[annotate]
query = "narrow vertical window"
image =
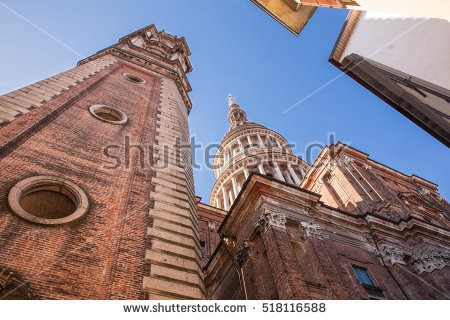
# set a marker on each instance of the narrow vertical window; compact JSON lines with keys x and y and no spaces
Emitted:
{"x":369,"y":286}
{"x":363,"y":276}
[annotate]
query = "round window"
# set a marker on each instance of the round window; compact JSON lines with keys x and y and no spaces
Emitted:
{"x":133,"y":78}
{"x":48,"y":200}
{"x":108,"y":114}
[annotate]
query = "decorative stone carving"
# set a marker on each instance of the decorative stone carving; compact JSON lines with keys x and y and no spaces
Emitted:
{"x":332,"y":166}
{"x":243,"y":253}
{"x":366,"y":166}
{"x":271,"y":218}
{"x":211,"y":226}
{"x":342,"y":161}
{"x":12,"y":287}
{"x":311,"y":229}
{"x":392,"y":255}
{"x":427,"y":261}
{"x":440,"y":198}
{"x":229,"y":242}
{"x":318,"y":186}
{"x":424,"y":191}
{"x":4,"y":278}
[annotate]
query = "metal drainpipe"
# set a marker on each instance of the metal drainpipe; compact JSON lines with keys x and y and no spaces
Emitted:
{"x":238,"y":270}
{"x":381,"y":256}
{"x":374,"y":240}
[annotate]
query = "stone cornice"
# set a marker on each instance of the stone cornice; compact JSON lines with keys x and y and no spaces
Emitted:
{"x":152,"y":28}
{"x":253,"y":188}
{"x":323,"y":213}
{"x":211,"y":209}
{"x":419,"y":200}
{"x":176,"y":63}
{"x":364,"y":158}
{"x":411,"y":225}
{"x":160,"y":45}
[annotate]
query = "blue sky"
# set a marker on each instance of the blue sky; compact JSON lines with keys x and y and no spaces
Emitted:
{"x":236,"y":49}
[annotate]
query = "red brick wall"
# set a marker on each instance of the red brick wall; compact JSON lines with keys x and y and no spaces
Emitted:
{"x":324,"y":271}
{"x":209,"y":238}
{"x":100,"y":256}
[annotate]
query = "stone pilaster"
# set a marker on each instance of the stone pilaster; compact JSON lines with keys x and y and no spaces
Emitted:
{"x":246,"y":259}
{"x":282,"y":260}
{"x":323,"y":253}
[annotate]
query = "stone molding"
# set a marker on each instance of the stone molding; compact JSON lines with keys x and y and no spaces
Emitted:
{"x":101,"y":108}
{"x":48,"y":183}
{"x":392,"y":255}
{"x":133,"y":78}
{"x":269,"y":218}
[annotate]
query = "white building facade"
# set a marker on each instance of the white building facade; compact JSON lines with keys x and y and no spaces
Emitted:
{"x":402,"y":59}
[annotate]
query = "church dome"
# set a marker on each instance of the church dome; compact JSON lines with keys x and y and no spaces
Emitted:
{"x":250,"y":147}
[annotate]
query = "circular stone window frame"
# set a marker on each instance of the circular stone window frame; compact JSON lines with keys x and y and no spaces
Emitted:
{"x":101,"y":108}
{"x":48,"y":183}
{"x":129,"y":77}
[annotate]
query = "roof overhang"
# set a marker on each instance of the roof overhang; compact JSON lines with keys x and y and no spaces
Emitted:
{"x":292,"y":17}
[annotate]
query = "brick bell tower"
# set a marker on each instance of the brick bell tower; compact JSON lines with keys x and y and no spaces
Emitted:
{"x":97,"y":196}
